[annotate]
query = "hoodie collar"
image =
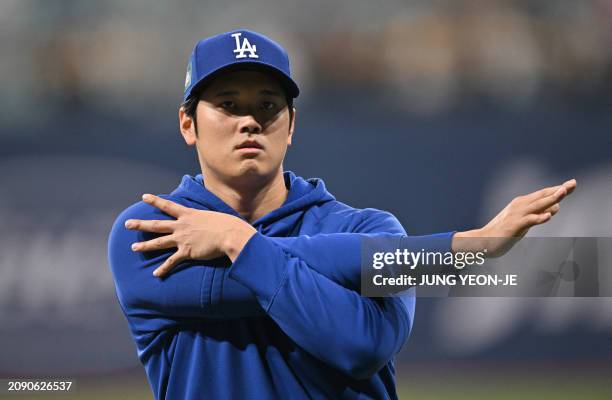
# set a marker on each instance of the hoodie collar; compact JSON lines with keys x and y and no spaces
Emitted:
{"x":302,"y":195}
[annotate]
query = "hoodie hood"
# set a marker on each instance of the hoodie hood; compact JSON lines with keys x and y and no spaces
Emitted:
{"x":284,"y":221}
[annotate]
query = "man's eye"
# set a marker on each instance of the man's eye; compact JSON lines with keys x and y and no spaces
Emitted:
{"x":228,"y":104}
{"x":268,"y":105}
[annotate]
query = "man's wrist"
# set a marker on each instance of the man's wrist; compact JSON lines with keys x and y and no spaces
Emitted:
{"x":468,"y":241}
{"x":235,"y":238}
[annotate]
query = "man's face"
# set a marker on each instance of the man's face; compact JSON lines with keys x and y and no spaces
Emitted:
{"x":243,"y":127}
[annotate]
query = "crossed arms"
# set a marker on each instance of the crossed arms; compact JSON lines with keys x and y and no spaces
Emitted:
{"x":307,"y":285}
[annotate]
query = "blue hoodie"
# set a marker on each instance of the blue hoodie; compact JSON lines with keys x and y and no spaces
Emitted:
{"x":285,"y":320}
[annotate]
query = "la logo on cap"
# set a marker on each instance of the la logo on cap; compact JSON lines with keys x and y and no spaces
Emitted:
{"x":246,"y":46}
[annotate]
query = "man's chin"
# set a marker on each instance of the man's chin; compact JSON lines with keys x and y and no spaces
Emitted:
{"x":253,"y":170}
{"x":250,"y":167}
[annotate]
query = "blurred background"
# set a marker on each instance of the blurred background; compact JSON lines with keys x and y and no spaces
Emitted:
{"x":440,"y":112}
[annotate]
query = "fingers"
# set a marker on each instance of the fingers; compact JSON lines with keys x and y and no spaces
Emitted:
{"x":568,"y":185}
{"x":553,"y":209}
{"x":542,"y":210}
{"x":163,"y":242}
{"x":546,"y":202}
{"x":537,"y":219}
{"x":531,"y":197}
{"x":524,"y":212}
{"x":167,"y":206}
{"x":170,"y":263}
{"x":157,"y":226}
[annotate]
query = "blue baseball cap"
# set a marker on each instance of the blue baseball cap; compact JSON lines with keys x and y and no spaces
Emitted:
{"x":235,"y":50}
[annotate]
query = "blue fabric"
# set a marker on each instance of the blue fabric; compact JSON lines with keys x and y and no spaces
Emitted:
{"x":285,"y":320}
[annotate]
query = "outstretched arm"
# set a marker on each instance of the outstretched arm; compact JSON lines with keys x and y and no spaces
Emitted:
{"x":205,"y":234}
{"x":287,"y":277}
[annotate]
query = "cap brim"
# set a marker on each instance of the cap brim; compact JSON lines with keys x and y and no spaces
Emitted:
{"x":288,"y":84}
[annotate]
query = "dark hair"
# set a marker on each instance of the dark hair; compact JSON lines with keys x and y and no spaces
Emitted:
{"x":191,"y":105}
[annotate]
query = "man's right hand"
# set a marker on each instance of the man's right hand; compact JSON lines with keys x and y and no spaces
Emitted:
{"x":196,"y":234}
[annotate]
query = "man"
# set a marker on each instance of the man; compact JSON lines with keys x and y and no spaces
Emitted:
{"x":244,"y":281}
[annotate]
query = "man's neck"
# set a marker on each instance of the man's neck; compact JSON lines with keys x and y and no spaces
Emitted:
{"x":252,"y":200}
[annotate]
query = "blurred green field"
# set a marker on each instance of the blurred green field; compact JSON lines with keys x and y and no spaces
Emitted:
{"x":505,"y":381}
{"x":427,"y":383}
{"x":508,"y":391}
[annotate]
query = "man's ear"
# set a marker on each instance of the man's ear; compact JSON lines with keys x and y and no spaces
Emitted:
{"x":187,"y":127}
{"x":291,"y":128}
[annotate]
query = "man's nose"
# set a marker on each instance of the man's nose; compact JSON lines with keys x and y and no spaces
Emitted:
{"x":249,"y":124}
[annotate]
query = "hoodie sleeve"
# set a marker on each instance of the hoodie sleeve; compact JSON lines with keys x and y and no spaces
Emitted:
{"x":338,"y":255}
{"x":354,"y":334}
{"x":191,"y":291}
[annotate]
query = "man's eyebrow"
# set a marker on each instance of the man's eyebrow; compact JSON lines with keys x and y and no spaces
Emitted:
{"x":269,"y":92}
{"x":226,"y":93}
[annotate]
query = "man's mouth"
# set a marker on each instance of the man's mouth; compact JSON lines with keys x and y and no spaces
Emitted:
{"x":249,"y":144}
